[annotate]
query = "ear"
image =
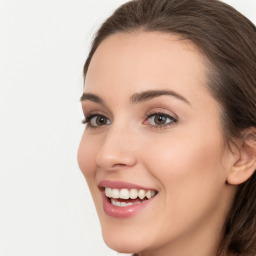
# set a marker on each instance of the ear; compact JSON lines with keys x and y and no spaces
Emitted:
{"x":245,"y":164}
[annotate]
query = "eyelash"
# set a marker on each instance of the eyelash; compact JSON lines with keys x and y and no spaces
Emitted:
{"x":88,"y":119}
{"x":172,"y":121}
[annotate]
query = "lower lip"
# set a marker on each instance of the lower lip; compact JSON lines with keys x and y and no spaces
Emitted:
{"x":124,"y":212}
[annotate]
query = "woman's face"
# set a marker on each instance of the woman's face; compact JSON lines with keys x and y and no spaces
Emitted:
{"x":153,"y":129}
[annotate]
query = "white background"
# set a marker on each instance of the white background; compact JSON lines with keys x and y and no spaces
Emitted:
{"x":45,"y":205}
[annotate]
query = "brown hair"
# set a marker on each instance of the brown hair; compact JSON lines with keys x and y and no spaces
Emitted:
{"x":228,"y":40}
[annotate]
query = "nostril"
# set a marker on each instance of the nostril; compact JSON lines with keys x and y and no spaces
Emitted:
{"x":119,"y":165}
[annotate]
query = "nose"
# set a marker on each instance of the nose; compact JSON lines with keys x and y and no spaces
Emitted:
{"x":117,"y":150}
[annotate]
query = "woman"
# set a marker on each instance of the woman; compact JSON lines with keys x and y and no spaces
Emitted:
{"x":169,"y":148}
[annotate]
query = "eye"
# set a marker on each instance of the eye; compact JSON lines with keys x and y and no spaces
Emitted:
{"x":159,"y":120}
{"x":96,"y":120}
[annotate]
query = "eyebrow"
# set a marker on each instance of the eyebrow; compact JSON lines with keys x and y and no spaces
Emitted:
{"x":150,"y":94}
{"x":91,"y":97}
{"x":138,"y":97}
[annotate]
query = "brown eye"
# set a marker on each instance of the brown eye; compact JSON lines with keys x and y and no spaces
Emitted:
{"x":101,"y":120}
{"x":160,"y":119}
{"x":98,"y":120}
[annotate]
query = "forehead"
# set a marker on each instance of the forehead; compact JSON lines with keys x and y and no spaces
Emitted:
{"x":133,"y":62}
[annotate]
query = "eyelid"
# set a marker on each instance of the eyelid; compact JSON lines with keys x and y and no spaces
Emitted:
{"x":88,"y":114}
{"x":158,"y":111}
{"x":163,"y":112}
{"x":91,"y":115}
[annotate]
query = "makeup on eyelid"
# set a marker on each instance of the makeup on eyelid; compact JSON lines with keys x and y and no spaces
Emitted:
{"x":95,"y":120}
{"x":158,"y":113}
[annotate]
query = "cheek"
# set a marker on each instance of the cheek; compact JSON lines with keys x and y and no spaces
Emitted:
{"x":179,"y":159}
{"x":187,"y":169}
{"x":191,"y":179}
{"x":86,"y":157}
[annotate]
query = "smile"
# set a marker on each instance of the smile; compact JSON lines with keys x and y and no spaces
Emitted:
{"x":125,"y":197}
{"x":124,"y":200}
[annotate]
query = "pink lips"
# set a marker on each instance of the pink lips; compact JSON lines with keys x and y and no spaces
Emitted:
{"x":122,"y":212}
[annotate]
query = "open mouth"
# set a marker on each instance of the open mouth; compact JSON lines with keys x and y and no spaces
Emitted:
{"x":127,"y":197}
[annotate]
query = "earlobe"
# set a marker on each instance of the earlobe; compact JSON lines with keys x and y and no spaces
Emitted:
{"x":244,"y":167}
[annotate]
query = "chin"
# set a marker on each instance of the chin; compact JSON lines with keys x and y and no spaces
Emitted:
{"x":121,"y":245}
{"x":124,"y":243}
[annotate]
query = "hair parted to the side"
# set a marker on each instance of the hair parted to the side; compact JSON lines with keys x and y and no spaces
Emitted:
{"x":228,"y":40}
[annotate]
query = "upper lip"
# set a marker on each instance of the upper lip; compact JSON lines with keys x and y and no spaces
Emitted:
{"x":120,"y":185}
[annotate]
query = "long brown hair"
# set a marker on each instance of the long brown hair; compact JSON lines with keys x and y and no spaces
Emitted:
{"x":228,"y":40}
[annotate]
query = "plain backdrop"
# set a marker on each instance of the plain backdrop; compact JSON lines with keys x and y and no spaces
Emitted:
{"x":45,"y":205}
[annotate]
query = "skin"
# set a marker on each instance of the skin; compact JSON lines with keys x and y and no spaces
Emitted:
{"x":186,"y":161}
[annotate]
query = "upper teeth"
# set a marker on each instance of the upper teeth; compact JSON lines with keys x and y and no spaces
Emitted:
{"x":126,"y":194}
